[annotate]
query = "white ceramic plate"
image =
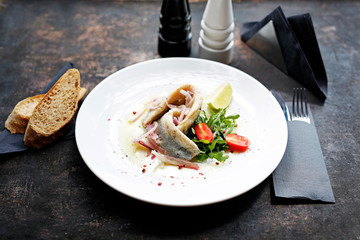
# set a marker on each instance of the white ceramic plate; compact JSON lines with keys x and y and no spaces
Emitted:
{"x":99,"y":140}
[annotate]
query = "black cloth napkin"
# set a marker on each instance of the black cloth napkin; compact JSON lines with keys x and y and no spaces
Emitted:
{"x":291,"y":45}
{"x":302,"y":173}
{"x":11,"y":143}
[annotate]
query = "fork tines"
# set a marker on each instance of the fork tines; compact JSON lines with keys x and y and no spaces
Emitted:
{"x":300,"y":106}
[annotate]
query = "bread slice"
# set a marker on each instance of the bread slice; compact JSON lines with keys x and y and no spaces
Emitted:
{"x":20,"y":115}
{"x":53,"y":115}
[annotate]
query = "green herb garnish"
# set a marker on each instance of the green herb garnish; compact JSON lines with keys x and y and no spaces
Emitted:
{"x":220,"y":125}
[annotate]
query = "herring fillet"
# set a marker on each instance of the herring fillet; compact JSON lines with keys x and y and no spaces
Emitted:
{"x":173,"y":141}
{"x":186,"y":101}
{"x":195,"y":109}
{"x":160,"y":107}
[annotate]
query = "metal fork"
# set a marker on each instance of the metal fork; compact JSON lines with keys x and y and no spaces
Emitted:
{"x":300,"y":110}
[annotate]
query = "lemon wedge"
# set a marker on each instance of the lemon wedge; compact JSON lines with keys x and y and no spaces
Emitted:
{"x":221,"y":97}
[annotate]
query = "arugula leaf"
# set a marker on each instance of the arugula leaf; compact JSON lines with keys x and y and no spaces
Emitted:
{"x":220,"y":125}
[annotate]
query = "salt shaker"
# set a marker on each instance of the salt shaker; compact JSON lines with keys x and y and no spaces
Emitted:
{"x":216,"y":38}
{"x":174,"y":38}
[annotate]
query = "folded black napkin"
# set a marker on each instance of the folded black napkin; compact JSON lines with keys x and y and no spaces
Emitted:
{"x":291,"y":45}
{"x":302,"y":173}
{"x":11,"y":143}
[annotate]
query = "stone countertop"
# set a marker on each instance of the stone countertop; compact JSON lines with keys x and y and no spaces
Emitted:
{"x":51,"y":193}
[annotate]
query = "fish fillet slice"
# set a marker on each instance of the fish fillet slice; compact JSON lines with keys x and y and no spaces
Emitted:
{"x":160,"y":107}
{"x":175,"y":142}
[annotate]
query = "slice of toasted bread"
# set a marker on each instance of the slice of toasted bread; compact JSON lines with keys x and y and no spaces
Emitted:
{"x":20,"y":115}
{"x":54,"y":113}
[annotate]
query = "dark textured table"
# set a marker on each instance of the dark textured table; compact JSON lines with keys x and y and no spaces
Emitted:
{"x":50,"y":193}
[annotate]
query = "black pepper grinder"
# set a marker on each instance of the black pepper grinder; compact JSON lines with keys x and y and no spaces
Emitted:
{"x":175,"y":30}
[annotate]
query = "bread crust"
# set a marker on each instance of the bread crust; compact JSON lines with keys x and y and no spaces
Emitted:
{"x":50,"y":119}
{"x":34,"y":139}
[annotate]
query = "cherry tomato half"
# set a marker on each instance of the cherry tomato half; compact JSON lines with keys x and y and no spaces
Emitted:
{"x":237,"y":143}
{"x":203,"y":132}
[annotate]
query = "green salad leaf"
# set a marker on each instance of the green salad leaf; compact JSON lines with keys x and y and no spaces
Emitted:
{"x":220,"y":125}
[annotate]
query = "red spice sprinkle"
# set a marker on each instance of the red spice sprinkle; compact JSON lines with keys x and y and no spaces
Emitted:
{"x":180,"y":166}
{"x":159,"y":183}
{"x":201,"y":174}
{"x":172,"y":176}
{"x":134,"y":112}
{"x":109,"y":119}
{"x":144,"y":166}
{"x":152,"y":157}
{"x":217,"y":163}
{"x":144,"y":170}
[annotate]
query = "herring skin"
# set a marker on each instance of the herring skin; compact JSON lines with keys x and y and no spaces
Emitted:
{"x":173,"y":141}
